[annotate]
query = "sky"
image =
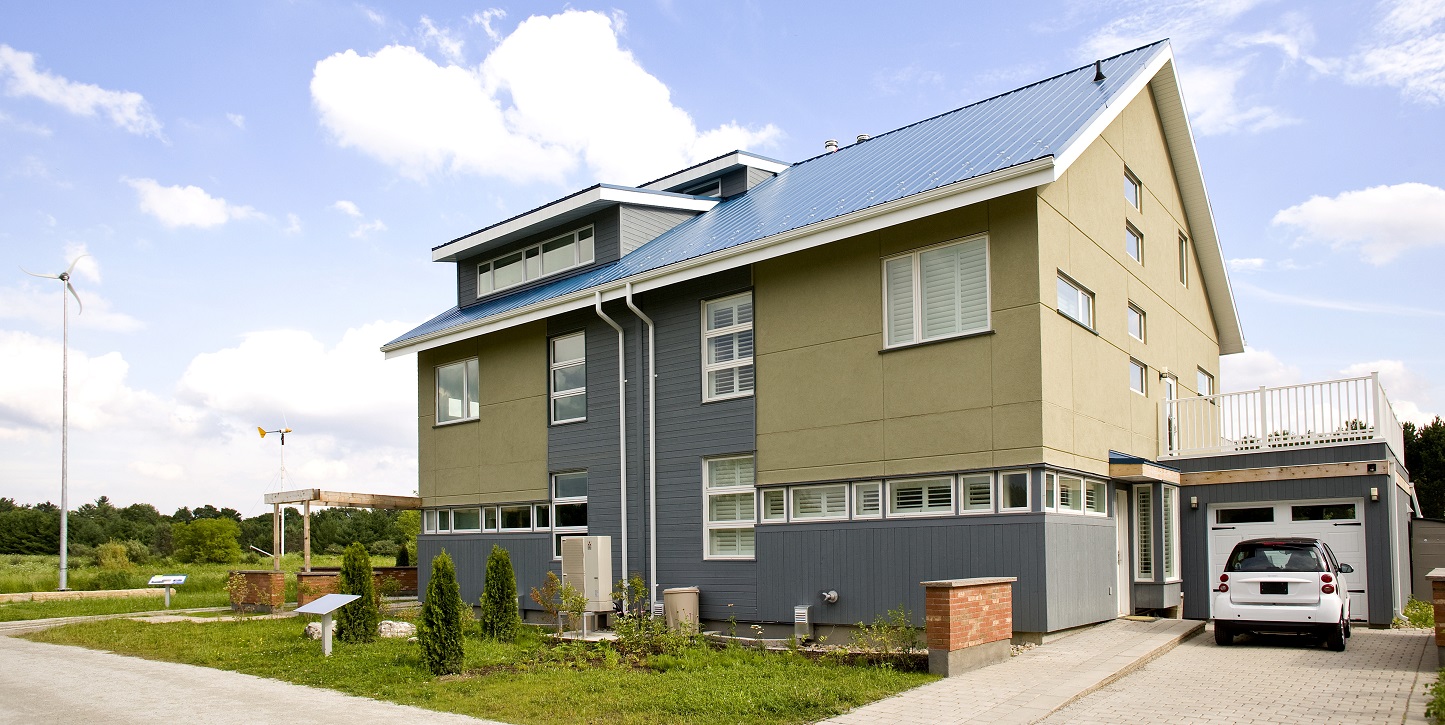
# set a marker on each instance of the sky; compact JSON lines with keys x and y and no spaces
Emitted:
{"x":257,"y":186}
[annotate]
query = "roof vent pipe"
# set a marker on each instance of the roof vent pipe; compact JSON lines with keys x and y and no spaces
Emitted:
{"x":863,"y":137}
{"x":830,"y":145}
{"x":1098,"y":71}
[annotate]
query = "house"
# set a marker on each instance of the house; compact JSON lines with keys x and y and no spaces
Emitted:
{"x":949,"y":350}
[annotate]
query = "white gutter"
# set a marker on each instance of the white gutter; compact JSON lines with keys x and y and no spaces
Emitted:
{"x":651,"y":454}
{"x":621,"y":422}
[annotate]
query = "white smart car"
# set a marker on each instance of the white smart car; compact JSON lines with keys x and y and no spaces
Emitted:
{"x":1283,"y":585}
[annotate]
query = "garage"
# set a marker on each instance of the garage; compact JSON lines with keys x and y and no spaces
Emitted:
{"x":1340,"y":523}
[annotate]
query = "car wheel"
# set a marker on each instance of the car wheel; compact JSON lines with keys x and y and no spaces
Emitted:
{"x":1223,"y":636}
{"x":1348,"y":629}
{"x":1335,"y":637}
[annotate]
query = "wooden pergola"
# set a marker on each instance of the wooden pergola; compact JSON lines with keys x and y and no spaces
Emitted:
{"x":308,"y":496}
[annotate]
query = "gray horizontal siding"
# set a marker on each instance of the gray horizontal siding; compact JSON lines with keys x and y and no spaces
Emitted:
{"x":1289,"y":457}
{"x":639,"y":225}
{"x":606,"y":248}
{"x":531,"y":556}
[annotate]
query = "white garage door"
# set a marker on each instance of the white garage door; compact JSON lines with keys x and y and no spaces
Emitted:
{"x":1339,"y":523}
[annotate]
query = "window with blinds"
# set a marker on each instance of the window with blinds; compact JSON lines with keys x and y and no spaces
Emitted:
{"x":1143,"y":533}
{"x":1169,"y":517}
{"x":775,"y":505}
{"x":937,"y":292}
{"x":976,"y":493}
{"x":820,"y":502}
{"x":730,"y":509}
{"x":928,"y":496}
{"x":727,"y":355}
{"x":868,"y":500}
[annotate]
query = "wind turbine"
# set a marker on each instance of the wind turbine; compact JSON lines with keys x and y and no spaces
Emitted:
{"x":64,"y":278}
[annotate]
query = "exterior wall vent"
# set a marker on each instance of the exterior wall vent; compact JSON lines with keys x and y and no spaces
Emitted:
{"x":803,"y":621}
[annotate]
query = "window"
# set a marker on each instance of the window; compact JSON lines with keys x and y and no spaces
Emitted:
{"x":489,"y":518}
{"x":1276,"y":557}
{"x":1096,"y":498}
{"x":542,"y":516}
{"x":444,"y":521}
{"x":539,"y":260}
{"x":727,"y":341}
{"x":707,"y":188}
{"x":976,"y":493}
{"x":429,"y":522}
{"x":1206,"y":383}
{"x":1138,"y":377}
{"x":921,"y":496}
{"x":1259,"y":515}
{"x":820,"y":502}
{"x":1136,"y":323}
{"x":1323,"y":512}
{"x":775,"y":505}
{"x":1071,"y":494}
{"x":1169,"y":515}
{"x":868,"y":500}
{"x":457,"y":392}
{"x":569,"y":378}
{"x":936,"y":292}
{"x":1051,"y":484}
{"x":1143,"y":533}
{"x":569,"y":507}
{"x":517,"y":518}
{"x":466,"y":520}
{"x":1013,"y":491}
{"x":1134,"y":243}
{"x":1076,"y":302}
{"x":1183,"y":260}
{"x":728,"y":488}
{"x":1133,"y":190}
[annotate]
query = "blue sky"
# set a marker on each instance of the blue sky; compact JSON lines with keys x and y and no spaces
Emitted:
{"x":258,"y":185}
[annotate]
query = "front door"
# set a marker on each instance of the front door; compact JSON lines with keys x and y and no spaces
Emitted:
{"x":1123,"y":579}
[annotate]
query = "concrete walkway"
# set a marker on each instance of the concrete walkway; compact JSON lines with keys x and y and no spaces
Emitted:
{"x":1036,"y":683}
{"x":54,"y":684}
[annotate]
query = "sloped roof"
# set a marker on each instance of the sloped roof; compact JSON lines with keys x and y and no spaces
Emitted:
{"x":1037,"y":128}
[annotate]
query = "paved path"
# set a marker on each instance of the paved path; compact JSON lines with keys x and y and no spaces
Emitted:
{"x":1272,"y":680}
{"x":1035,"y":683}
{"x":46,"y":683}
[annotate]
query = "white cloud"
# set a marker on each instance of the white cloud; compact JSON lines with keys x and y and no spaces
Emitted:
{"x":1382,"y":222}
{"x":346,"y":207}
{"x":375,"y":17}
{"x":25,"y":126}
{"x":1251,"y":264}
{"x":30,"y":387}
{"x":39,"y":302}
{"x":126,"y":109}
{"x":163,"y":471}
{"x":1254,"y":368}
{"x":517,"y":115}
{"x":365,"y":229}
{"x":1332,"y":303}
{"x":485,"y":19}
{"x":443,"y":39}
{"x":293,"y":224}
{"x":1216,"y":108}
{"x":1406,"y":390}
{"x":1407,"y":51}
{"x":237,"y":120}
{"x":187,"y":206}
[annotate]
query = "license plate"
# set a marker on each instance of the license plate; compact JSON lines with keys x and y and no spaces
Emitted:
{"x":1274,"y":587}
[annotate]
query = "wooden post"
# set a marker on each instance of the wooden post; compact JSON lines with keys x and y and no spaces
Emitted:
{"x":306,"y":536}
{"x":276,"y":537}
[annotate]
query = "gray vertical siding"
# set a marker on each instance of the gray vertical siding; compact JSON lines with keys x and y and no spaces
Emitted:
{"x":1402,"y":547}
{"x":1079,"y":554}
{"x":531,"y":556}
{"x":606,"y":248}
{"x":639,"y":225}
{"x":755,"y":177}
{"x":735,"y":182}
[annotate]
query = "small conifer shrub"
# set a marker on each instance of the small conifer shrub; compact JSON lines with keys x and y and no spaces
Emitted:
{"x":500,"y":618}
{"x":403,"y":555}
{"x":440,"y":632}
{"x":357,"y":621}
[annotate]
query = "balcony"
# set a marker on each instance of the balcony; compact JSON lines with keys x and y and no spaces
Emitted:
{"x":1311,"y":415}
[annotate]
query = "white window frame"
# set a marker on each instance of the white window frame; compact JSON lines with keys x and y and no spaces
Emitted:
{"x":1138,"y":237}
{"x":1170,"y":534}
{"x":1204,"y":380}
{"x":456,"y":530}
{"x":858,"y":489}
{"x":1059,"y":492}
{"x":558,"y":531}
{"x":444,"y":516}
{"x":1183,"y":259}
{"x":1050,"y":502}
{"x":1132,"y":180}
{"x":1083,"y":294}
{"x":485,"y":268}
{"x":1101,"y":497}
{"x":793,"y":492}
{"x":766,"y":493}
{"x":467,"y":392}
{"x":544,"y":509}
{"x":1028,"y":491}
{"x":738,"y":363}
{"x":496,"y":520}
{"x":894,"y":483}
{"x":962,"y":497}
{"x":1134,"y":309}
{"x":429,"y":521}
{"x":917,"y":285}
{"x":1144,"y":531}
{"x":708,"y":493}
{"x":1143,"y":377}
{"x":553,"y":395}
{"x":501,"y":518}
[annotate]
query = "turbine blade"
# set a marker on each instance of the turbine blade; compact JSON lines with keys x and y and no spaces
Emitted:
{"x":42,"y":276}
{"x":74,"y":262}
{"x":71,"y":287}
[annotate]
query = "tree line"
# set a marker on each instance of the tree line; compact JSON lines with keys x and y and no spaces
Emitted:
{"x":1425,"y":459}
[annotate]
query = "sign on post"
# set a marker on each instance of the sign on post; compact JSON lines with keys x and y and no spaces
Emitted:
{"x":169,"y":581}
{"x":326,"y":606}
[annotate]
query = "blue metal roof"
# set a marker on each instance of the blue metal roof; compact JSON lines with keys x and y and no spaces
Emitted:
{"x":1117,"y":457}
{"x":1023,"y":125}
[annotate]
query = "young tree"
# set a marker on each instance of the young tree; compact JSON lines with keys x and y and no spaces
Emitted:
{"x":356,"y":622}
{"x":403,"y":555}
{"x":440,"y":633}
{"x":207,"y":541}
{"x":500,"y":618}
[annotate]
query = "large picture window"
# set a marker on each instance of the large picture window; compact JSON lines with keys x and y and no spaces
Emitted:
{"x":569,"y":507}
{"x":936,"y":293}
{"x":457,"y":391}
{"x":727,"y":340}
{"x":730,"y":509}
{"x":539,"y":260}
{"x":569,"y":378}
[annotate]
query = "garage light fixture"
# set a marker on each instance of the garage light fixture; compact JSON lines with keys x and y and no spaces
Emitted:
{"x":1193,"y":502}
{"x":1374,"y":494}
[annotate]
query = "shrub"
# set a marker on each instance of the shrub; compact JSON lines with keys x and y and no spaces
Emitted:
{"x":112,"y":556}
{"x":548,"y":598}
{"x":500,"y":619}
{"x":1420,"y":615}
{"x":383,"y":547}
{"x":440,"y":630}
{"x":403,"y":555}
{"x":890,"y":638}
{"x":356,"y":622}
{"x":207,"y":541}
{"x":114,"y":579}
{"x":136,"y":551}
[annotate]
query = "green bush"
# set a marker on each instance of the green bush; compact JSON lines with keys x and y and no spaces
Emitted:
{"x":207,"y":541}
{"x":500,"y":618}
{"x":1435,"y":708}
{"x":136,"y":551}
{"x":115,"y":579}
{"x":112,"y":556}
{"x":440,"y":630}
{"x":356,"y":622}
{"x":384,"y":547}
{"x":403,"y":555}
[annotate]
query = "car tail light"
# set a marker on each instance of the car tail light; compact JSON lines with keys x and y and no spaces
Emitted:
{"x":1224,"y":577}
{"x":1223,"y":587}
{"x":1328,"y":589}
{"x":1326,"y":578}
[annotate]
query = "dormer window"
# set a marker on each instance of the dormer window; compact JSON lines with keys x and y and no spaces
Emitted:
{"x":555,"y":255}
{"x":707,"y":188}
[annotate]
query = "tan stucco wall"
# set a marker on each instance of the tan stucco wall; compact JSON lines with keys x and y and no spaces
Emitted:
{"x":1088,"y":407}
{"x":502,"y":456}
{"x":830,"y":404}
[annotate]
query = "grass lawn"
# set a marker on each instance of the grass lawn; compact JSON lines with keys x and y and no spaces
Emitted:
{"x":527,"y":682}
{"x":85,"y":607}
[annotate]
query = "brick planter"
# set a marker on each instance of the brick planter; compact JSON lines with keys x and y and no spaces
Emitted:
{"x":260,"y":591}
{"x":968,"y":623}
{"x":319,"y":582}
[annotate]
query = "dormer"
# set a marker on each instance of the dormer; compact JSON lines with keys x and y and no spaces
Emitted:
{"x":721,"y":178}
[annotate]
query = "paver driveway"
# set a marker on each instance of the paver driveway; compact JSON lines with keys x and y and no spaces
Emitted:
{"x":1271,"y":680}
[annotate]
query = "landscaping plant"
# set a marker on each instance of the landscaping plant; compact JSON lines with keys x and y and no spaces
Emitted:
{"x":500,"y":619}
{"x":548,"y":598}
{"x":356,"y":622}
{"x":889,"y":639}
{"x":440,"y":629}
{"x":210,"y":541}
{"x":403,"y":555}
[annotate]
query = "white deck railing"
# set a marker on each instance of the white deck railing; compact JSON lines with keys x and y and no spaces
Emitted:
{"x":1295,"y":416}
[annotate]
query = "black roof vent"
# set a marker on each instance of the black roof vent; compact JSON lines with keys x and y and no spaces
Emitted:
{"x":1098,"y":71}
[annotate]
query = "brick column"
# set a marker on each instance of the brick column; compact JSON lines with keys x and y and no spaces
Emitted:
{"x":1437,"y":597}
{"x":968,"y":623}
{"x":257,"y":591}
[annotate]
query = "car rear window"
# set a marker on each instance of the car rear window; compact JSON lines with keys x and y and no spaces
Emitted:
{"x":1275,"y":557}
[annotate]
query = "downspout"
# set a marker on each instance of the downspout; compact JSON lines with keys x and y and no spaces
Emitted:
{"x":651,"y":452}
{"x":621,"y":421}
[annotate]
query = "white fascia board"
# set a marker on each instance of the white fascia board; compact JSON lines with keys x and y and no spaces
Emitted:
{"x":935,"y":201}
{"x":600,"y":195}
{"x":737,"y":158}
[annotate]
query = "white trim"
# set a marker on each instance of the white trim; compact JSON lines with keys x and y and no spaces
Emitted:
{"x":737,"y":363}
{"x":1143,"y":335}
{"x":456,"y":530}
{"x":553,"y":366}
{"x":915,"y":265}
{"x":763,"y":506}
{"x":1059,"y":495}
{"x":1172,"y":543}
{"x":1101,"y":496}
{"x":501,"y":518}
{"x":575,"y":234}
{"x":1132,"y":231}
{"x":1129,"y":176}
{"x":856,"y":509}
{"x":847,"y":502}
{"x":708,"y":492}
{"x":1028,"y":491}
{"x":496,"y":519}
{"x":536,"y":522}
{"x":1080,"y":294}
{"x":1050,"y":478}
{"x":1138,"y":573}
{"x":466,"y":393}
{"x":961,"y":505}
{"x":1143,"y":377}
{"x":892,"y":482}
{"x":723,"y":163}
